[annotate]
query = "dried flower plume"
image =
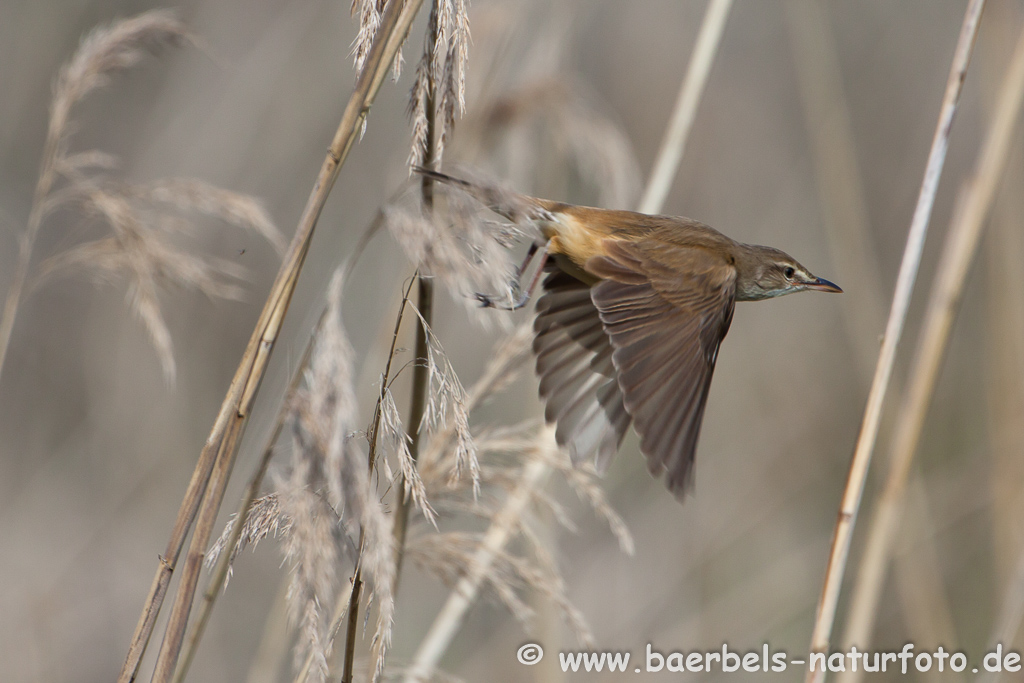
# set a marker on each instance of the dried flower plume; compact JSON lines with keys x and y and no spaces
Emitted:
{"x":455,"y":243}
{"x":439,"y":91}
{"x":143,"y":219}
{"x":325,"y":507}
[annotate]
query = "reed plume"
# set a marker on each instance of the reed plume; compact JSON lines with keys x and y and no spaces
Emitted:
{"x":144,"y":219}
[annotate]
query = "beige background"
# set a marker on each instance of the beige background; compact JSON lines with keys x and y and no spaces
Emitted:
{"x":96,"y":450}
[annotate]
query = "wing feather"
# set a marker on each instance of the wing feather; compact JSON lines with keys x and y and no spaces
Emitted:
{"x":665,"y":323}
{"x":577,"y":374}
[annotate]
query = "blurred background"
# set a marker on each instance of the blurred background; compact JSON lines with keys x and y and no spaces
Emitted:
{"x":812,"y":137}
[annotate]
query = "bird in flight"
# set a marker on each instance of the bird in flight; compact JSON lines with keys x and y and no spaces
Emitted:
{"x":633,"y":310}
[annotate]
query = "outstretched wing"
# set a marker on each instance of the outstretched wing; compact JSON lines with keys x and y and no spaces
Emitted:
{"x":577,"y":377}
{"x":665,"y":324}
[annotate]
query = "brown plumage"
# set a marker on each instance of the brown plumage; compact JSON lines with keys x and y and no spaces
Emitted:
{"x":628,"y":328}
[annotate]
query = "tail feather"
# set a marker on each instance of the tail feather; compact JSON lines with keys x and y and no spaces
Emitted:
{"x":516,"y":207}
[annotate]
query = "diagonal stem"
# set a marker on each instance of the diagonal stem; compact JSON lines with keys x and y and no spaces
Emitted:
{"x":947,"y":290}
{"x":850,"y":506}
{"x":450,"y":618}
{"x":421,"y":369}
{"x":674,"y":143}
{"x":217,"y":456}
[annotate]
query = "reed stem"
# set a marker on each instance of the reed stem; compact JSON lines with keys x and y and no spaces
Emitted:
{"x":839,"y":553}
{"x":220,"y":448}
{"x":954,"y":265}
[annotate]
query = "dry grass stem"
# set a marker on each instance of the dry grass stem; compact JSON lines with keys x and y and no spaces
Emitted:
{"x":674,"y":144}
{"x":897,"y":317}
{"x":102,"y":53}
{"x":215,"y":462}
{"x":448,"y":621}
{"x":954,"y":265}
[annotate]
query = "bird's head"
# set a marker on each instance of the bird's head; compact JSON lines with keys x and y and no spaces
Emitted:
{"x":764,"y":272}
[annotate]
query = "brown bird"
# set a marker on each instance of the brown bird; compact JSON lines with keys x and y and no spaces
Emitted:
{"x":630,"y":321}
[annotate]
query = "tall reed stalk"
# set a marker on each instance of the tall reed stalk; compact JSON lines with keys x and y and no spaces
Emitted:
{"x":215,"y":462}
{"x":839,"y":553}
{"x":958,"y":254}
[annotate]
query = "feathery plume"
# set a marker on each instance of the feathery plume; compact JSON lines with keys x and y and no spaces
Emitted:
{"x":396,"y":441}
{"x":139,"y":248}
{"x":327,"y":466}
{"x":369,"y":12}
{"x":103,"y":52}
{"x":453,"y":93}
{"x":439,"y":90}
{"x":455,"y":245}
{"x":263,"y":519}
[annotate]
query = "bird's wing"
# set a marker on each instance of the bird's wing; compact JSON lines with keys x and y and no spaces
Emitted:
{"x":577,"y":378}
{"x":665,"y":325}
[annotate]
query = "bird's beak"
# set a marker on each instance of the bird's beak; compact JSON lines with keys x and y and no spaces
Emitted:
{"x":822,"y":285}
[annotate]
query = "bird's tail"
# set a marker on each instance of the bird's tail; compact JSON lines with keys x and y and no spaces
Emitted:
{"x":514,"y":206}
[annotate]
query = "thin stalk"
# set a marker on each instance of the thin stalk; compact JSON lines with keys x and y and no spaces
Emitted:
{"x":353,"y":626}
{"x":451,"y":616}
{"x":420,"y":386}
{"x":943,"y":303}
{"x":352,"y":611}
{"x":218,"y":577}
{"x":449,"y":620}
{"x":421,"y":369}
{"x":894,"y":328}
{"x":674,"y":143}
{"x":219,"y":451}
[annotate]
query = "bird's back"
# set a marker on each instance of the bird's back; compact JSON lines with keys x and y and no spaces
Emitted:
{"x":579,"y":232}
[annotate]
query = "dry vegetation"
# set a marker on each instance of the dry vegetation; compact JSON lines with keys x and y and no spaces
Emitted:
{"x":377,"y":483}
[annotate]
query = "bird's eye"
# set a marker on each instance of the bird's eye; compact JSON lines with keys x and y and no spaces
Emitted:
{"x":789,"y":272}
